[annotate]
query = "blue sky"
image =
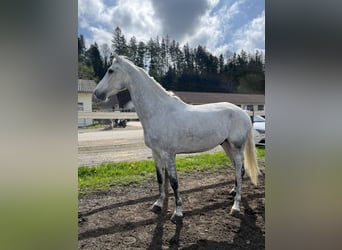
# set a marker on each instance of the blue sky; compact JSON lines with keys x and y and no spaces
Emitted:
{"x":222,"y":26}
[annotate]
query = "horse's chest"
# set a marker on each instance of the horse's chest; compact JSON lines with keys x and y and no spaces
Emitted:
{"x":162,"y":139}
{"x":151,"y":138}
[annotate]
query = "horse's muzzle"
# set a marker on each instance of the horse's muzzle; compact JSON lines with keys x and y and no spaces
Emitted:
{"x":100,"y":96}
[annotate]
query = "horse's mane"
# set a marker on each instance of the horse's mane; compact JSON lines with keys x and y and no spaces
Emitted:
{"x":146,"y":75}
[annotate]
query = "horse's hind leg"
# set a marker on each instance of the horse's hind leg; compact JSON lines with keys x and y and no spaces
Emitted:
{"x":238,"y":162}
{"x":228,"y":150}
{"x":236,"y":155}
{"x":160,"y":171}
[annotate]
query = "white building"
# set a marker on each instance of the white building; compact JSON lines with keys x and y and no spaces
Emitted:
{"x":84,"y":99}
{"x":245,"y":101}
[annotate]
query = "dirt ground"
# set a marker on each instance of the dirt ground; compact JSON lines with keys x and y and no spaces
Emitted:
{"x":122,"y":218}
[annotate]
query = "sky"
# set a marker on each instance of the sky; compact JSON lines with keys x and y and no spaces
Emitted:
{"x":222,"y":26}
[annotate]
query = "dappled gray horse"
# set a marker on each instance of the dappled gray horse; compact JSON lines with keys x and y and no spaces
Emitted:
{"x":172,"y":127}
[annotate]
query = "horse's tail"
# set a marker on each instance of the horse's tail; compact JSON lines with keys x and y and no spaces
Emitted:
{"x":250,"y":158}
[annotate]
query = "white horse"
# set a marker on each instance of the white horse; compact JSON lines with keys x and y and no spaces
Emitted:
{"x":172,"y":127}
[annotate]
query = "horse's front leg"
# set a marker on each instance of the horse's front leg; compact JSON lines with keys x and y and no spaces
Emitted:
{"x":177,"y":215}
{"x":160,"y":171}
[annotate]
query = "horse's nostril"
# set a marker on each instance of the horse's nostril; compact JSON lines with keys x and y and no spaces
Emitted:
{"x":101,"y":96}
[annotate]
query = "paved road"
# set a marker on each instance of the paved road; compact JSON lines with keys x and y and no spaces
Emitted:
{"x":119,"y":144}
{"x":96,"y":146}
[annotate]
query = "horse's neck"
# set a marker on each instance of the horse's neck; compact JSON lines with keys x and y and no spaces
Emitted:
{"x":148,"y":98}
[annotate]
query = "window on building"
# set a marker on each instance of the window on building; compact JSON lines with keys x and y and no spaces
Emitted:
{"x":250,"y":107}
{"x":80,"y":106}
{"x":260,"y":107}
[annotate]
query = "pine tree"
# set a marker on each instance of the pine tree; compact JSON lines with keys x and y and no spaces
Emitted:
{"x":163,"y":57}
{"x":221,"y":64}
{"x":119,"y":43}
{"x":153,"y":51}
{"x":188,"y":58}
{"x":133,"y":50}
{"x":141,"y":55}
{"x":81,"y":49}
{"x":106,"y":54}
{"x":201,"y":59}
{"x":94,"y":60}
{"x":178,"y":68}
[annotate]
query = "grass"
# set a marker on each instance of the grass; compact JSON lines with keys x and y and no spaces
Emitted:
{"x":95,"y":125}
{"x":101,"y":177}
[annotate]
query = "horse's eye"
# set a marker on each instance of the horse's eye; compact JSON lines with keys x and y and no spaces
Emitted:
{"x":110,"y":71}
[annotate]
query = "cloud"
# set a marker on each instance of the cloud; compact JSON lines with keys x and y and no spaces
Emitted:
{"x":207,"y":33}
{"x":133,"y":17}
{"x":101,"y":35}
{"x":180,"y":17}
{"x":219,"y":25}
{"x":91,"y":11}
{"x":215,"y":27}
{"x":251,"y":37}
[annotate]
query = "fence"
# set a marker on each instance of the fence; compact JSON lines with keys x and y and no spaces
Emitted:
{"x":107,"y":115}
{"x":131,"y":115}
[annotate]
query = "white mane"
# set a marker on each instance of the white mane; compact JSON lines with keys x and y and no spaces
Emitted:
{"x":151,"y":78}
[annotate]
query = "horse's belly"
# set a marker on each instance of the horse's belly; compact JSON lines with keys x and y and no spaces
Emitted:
{"x":192,"y":142}
{"x":194,"y":149}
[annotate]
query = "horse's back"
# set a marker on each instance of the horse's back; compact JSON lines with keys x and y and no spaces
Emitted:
{"x":221,"y":110}
{"x":225,"y":119}
{"x":194,"y":128}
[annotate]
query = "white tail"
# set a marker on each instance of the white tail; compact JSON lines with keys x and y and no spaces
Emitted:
{"x":250,"y":159}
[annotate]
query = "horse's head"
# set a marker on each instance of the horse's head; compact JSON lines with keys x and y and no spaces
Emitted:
{"x":114,"y":81}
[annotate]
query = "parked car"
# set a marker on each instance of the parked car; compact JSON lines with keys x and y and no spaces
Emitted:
{"x":259,"y":130}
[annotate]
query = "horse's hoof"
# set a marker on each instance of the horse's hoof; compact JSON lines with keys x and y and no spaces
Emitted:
{"x":156,"y":209}
{"x":176,"y":219}
{"x":232,"y":193}
{"x":235,"y":212}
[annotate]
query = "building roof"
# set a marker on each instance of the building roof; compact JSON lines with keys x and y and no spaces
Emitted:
{"x":204,"y":97}
{"x":86,"y":86}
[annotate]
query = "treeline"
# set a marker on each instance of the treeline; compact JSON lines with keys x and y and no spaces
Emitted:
{"x":177,"y":68}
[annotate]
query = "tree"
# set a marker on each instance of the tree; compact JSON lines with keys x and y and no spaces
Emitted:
{"x":255,"y":63}
{"x":212,"y":64}
{"x":164,"y":57}
{"x":119,"y":43}
{"x":141,"y":54}
{"x":179,"y":68}
{"x":174,"y":46}
{"x":94,"y":60}
{"x":188,"y":58}
{"x":221,"y":64}
{"x":153,"y":51}
{"x":169,"y":80}
{"x":81,"y":49}
{"x":85,"y":72}
{"x":105,"y":52}
{"x":252,"y":83}
{"x":242,"y":63}
{"x":201,"y":59}
{"x":132,"y":50}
